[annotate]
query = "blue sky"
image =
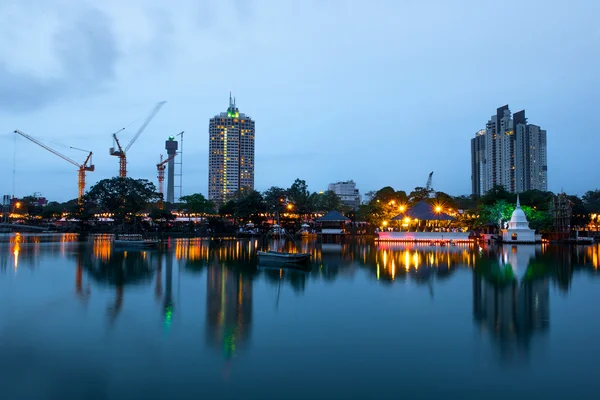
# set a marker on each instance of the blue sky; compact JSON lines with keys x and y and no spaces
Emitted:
{"x":382,"y":92}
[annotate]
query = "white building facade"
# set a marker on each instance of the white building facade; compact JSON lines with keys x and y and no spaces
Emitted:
{"x":347,"y":192}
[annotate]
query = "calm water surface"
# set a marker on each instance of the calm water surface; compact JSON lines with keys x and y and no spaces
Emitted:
{"x":198,"y":319}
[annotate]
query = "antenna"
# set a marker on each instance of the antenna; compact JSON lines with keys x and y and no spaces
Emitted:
{"x":179,"y":162}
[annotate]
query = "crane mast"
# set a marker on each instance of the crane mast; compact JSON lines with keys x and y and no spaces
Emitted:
{"x":122,"y":153}
{"x":82,"y":167}
{"x":160,"y":167}
{"x":430,"y":191}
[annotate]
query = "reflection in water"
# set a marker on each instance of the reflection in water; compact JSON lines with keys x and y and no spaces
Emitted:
{"x":228,"y":308}
{"x":511,"y":301}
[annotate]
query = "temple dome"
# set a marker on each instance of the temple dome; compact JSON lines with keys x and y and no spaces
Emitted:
{"x":518,"y":219}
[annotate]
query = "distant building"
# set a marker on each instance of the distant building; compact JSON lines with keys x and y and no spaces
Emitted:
{"x":347,"y":192}
{"x":509,"y":152}
{"x":231,"y":154}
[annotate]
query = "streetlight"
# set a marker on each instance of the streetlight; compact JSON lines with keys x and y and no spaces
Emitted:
{"x":438,"y":209}
{"x":290,"y":206}
{"x":402,"y":208}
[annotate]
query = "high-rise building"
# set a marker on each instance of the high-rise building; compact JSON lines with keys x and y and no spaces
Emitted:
{"x":347,"y":192}
{"x":509,"y":152}
{"x":478,"y":162}
{"x":231,"y":154}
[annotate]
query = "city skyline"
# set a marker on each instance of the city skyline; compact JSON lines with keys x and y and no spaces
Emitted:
{"x":378,"y":102}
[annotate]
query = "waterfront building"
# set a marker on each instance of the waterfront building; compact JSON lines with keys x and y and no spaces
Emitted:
{"x":347,"y":192}
{"x":509,"y":152}
{"x":231,"y":154}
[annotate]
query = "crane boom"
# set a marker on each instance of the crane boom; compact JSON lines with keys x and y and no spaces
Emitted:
{"x":154,"y":111}
{"x":82,"y":167}
{"x":50,"y":149}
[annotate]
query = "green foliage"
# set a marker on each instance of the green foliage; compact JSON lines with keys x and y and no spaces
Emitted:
{"x":274,"y":198}
{"x":299,"y":195}
{"x":417,"y":195}
{"x":496,"y":214}
{"x":326,"y":202}
{"x":540,"y":220}
{"x":579,"y":212}
{"x":157,"y":215}
{"x":122,"y":196}
{"x":591,"y":201}
{"x":537,"y":199}
{"x":197,"y":203}
{"x":251,"y":205}
{"x":495,"y":194}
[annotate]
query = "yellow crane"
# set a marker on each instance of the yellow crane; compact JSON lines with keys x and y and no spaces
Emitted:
{"x":82,"y":167}
{"x":122,"y":153}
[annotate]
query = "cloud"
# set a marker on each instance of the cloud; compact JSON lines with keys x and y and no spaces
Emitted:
{"x":85,"y":54}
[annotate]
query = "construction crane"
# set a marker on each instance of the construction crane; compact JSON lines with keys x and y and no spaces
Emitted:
{"x":82,"y":167}
{"x":430,"y":191}
{"x":160,"y":167}
{"x":122,"y":153}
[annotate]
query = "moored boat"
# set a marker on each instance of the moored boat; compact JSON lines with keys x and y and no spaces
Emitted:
{"x":134,"y":240}
{"x":283,"y":258}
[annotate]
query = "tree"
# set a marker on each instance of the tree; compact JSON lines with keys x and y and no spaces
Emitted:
{"x":251,"y":205}
{"x":579,"y":215}
{"x":274,"y":198}
{"x":418,"y":194}
{"x":326,"y":201}
{"x":122,"y":197}
{"x":299,"y":195}
{"x":496,"y":214}
{"x":591,"y":201}
{"x":540,"y":220}
{"x":537,"y":199}
{"x":197,"y":203}
{"x":497,"y":193}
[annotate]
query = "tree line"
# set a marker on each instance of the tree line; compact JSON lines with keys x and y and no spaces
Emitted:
{"x":126,"y":197}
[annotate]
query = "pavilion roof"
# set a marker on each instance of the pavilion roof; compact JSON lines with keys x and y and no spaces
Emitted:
{"x":424,"y":211}
{"x":333,"y":216}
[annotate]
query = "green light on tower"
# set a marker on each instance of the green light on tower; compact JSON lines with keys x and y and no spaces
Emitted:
{"x":171,"y":137}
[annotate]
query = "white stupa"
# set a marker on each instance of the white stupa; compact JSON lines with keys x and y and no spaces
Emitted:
{"x":518,"y":228}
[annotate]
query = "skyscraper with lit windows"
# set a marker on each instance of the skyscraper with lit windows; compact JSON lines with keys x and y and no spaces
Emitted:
{"x":231,"y":154}
{"x":509,"y":152}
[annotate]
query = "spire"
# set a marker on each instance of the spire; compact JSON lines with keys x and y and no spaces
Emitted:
{"x":518,"y":202}
{"x":231,"y":103}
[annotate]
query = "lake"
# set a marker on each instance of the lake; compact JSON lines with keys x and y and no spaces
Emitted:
{"x":198,"y":319}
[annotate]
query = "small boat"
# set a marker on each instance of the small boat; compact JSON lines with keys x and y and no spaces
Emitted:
{"x":134,"y":240}
{"x":283,"y":258}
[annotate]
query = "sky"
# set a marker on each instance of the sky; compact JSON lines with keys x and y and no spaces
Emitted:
{"x":381,"y":92}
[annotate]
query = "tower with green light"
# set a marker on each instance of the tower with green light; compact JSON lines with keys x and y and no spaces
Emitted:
{"x":171,"y":147}
{"x":231,"y":154}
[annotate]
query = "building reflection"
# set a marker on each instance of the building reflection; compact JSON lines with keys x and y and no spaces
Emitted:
{"x":228,"y":308}
{"x":511,"y":299}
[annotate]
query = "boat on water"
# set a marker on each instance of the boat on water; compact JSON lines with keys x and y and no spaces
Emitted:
{"x":282,"y":257}
{"x":134,"y":240}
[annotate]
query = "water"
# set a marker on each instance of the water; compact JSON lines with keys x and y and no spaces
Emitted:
{"x":199,"y":320}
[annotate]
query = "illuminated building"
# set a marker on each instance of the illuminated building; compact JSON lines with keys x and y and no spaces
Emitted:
{"x":231,"y":154}
{"x":347,"y":192}
{"x":509,"y":152}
